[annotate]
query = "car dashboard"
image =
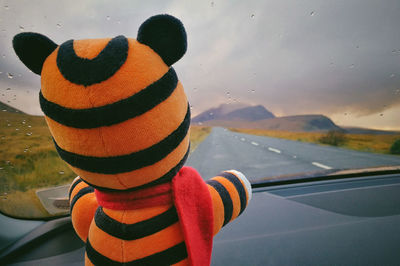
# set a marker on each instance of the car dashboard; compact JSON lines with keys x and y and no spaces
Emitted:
{"x":343,"y":221}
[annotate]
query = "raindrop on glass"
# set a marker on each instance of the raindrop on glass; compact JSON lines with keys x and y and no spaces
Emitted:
{"x":26,"y":149}
{"x":312,"y":13}
{"x":58,"y":25}
{"x":8,"y":89}
{"x":381,"y":114}
{"x":21,"y":28}
{"x":29,"y":133}
{"x":10,"y":76}
{"x":30,"y":127}
{"x":108,"y":18}
{"x":351,"y":66}
{"x":61,"y":172}
{"x":17,"y":129}
{"x":357,"y":46}
{"x":118,"y":22}
{"x":397,"y":91}
{"x":392,"y":75}
{"x":194,"y":89}
{"x":3,"y":55}
{"x":252,"y":15}
{"x":253,"y":91}
{"x":6,"y":7}
{"x":212,"y":4}
{"x":211,"y":113}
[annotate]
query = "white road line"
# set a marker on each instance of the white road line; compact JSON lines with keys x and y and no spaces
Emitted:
{"x":274,"y":150}
{"x":254,"y":143}
{"x":320,"y":165}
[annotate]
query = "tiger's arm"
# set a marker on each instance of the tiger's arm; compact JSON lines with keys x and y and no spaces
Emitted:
{"x":83,"y":205}
{"x":230,"y":192}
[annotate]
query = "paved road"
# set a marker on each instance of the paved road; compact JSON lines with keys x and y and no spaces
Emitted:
{"x":259,"y":157}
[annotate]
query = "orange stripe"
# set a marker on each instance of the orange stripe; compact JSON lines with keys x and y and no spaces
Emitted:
{"x":87,"y":261}
{"x":218,"y":208}
{"x":134,"y":216}
{"x":83,"y":213}
{"x":90,"y":48}
{"x":137,"y":177}
{"x":76,"y":189}
{"x":130,"y":136}
{"x":233,"y":193}
{"x":124,"y":251}
{"x":142,"y":67}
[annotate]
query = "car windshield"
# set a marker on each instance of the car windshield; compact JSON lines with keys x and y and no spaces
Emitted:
{"x":277,"y":89}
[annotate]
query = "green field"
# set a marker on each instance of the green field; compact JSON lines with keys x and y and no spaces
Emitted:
{"x":360,"y":142}
{"x":28,"y":161}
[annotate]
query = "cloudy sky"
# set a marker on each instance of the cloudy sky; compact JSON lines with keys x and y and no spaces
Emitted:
{"x":337,"y":58}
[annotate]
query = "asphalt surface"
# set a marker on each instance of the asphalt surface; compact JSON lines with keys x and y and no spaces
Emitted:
{"x":260,"y":157}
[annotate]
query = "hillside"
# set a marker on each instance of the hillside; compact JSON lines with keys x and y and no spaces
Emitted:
{"x":307,"y":123}
{"x":234,"y":112}
{"x":28,"y":161}
{"x":258,"y":117}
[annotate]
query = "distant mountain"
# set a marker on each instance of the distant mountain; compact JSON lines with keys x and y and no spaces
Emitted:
{"x":288,"y":123}
{"x":6,"y":108}
{"x":258,"y":117}
{"x":234,"y":112}
{"x":300,"y":123}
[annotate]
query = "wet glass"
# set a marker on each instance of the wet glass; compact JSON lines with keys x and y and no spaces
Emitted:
{"x":276,"y":89}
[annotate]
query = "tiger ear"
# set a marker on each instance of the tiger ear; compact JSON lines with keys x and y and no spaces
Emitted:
{"x":166,"y":35}
{"x":33,"y":49}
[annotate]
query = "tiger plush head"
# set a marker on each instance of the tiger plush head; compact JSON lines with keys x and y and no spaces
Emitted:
{"x":115,"y":108}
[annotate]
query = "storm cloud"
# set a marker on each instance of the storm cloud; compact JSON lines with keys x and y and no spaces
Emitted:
{"x":293,"y":57}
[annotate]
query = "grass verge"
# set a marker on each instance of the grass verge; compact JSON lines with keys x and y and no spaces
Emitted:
{"x":359,"y":142}
{"x":29,"y":161}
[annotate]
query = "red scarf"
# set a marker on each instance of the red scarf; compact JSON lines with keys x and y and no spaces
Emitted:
{"x":193,"y":203}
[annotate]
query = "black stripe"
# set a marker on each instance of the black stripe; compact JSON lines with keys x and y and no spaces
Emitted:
{"x":136,"y":230}
{"x":114,"y":113}
{"x":225,"y":197}
{"x":129,"y":162}
{"x":85,"y":71}
{"x":78,"y":195}
{"x":163,"y":179}
{"x":169,"y":256}
{"x":239,"y":187}
{"x":73,"y":186}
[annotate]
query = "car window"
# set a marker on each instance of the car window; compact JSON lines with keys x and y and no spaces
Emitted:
{"x":276,"y":89}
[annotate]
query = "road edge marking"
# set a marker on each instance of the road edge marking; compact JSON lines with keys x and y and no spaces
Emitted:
{"x":320,"y":165}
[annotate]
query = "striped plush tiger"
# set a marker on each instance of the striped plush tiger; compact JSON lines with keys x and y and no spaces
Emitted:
{"x":120,"y":119}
